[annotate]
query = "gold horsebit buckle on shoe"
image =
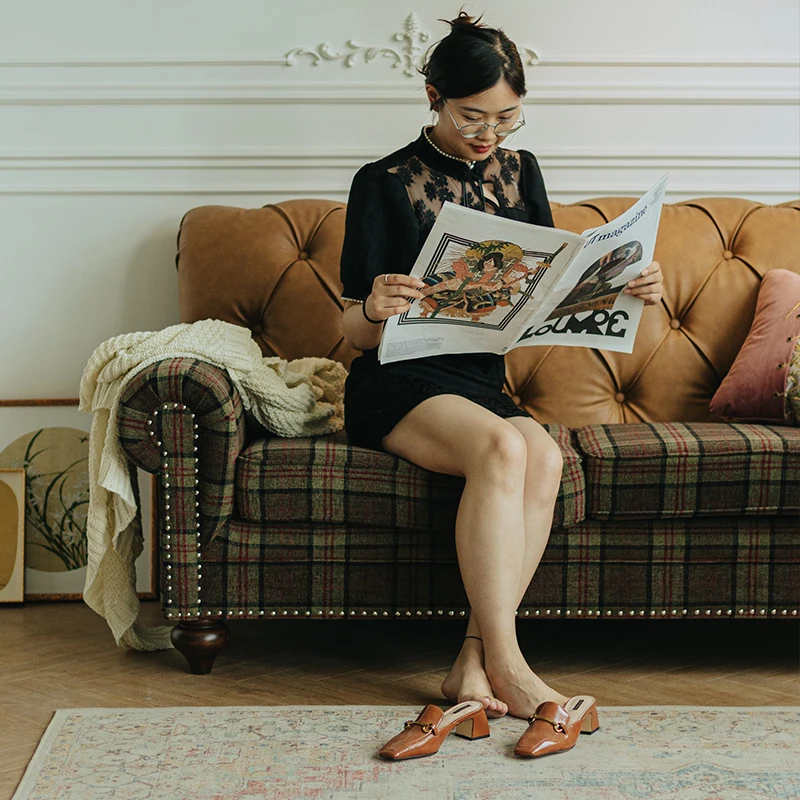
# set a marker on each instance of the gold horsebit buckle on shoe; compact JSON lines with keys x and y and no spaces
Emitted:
{"x":557,"y":726}
{"x":427,"y":727}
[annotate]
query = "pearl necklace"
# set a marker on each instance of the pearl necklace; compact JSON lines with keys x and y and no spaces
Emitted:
{"x":470,"y":164}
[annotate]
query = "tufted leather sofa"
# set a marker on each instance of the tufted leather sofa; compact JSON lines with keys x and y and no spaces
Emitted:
{"x":665,"y":511}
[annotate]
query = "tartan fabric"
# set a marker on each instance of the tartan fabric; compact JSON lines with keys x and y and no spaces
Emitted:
{"x":326,"y":480}
{"x":669,"y":568}
{"x":359,"y":533}
{"x":673,"y":470}
{"x":181,"y":540}
{"x":200,"y":389}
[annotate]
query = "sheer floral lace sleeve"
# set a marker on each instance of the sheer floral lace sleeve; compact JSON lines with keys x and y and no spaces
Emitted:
{"x":533,"y":190}
{"x":380,"y":234}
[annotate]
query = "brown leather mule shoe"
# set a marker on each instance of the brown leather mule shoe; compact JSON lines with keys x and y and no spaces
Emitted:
{"x":424,"y":735}
{"x":554,"y":728}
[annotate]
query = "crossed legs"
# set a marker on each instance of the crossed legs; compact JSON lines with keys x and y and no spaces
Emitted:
{"x":512,"y":470}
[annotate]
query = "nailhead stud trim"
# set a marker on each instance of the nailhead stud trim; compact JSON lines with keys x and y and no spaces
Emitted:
{"x":708,"y":612}
{"x":168,"y":506}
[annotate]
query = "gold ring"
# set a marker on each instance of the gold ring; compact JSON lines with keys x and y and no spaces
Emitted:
{"x":386,"y":277}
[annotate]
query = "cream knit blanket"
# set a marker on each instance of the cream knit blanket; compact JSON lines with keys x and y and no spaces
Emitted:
{"x":303,"y":397}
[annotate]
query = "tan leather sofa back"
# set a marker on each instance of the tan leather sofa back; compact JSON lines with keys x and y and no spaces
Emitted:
{"x":275,"y":270}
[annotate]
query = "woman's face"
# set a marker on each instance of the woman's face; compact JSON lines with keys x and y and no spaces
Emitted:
{"x":498,"y":103}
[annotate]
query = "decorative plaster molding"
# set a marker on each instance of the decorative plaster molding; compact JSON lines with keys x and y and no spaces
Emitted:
{"x":352,"y":158}
{"x":409,"y":56}
{"x":390,"y":92}
{"x":745,"y":62}
{"x":661,"y":61}
{"x":281,"y":172}
{"x":411,"y":35}
{"x":529,"y":57}
{"x":556,"y":192}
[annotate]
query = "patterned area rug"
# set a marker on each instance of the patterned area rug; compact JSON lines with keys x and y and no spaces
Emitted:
{"x":328,"y":753}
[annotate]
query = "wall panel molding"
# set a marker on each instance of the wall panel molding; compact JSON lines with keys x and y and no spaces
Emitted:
{"x":556,"y":190}
{"x":373,"y":93}
{"x":280,"y":172}
{"x":787,"y":61}
{"x":276,"y":158}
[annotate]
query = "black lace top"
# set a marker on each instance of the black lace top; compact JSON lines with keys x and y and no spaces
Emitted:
{"x":394,"y":202}
{"x":392,"y":207}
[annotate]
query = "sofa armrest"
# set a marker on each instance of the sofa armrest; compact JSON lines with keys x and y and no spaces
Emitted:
{"x":184,"y":418}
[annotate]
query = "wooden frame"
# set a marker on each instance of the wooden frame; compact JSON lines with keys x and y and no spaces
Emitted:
{"x":12,"y":535}
{"x":32,"y":431}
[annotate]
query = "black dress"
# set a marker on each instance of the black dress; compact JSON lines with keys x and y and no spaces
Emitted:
{"x":391,"y":209}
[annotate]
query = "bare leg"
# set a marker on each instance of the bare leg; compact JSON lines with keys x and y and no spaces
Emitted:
{"x":490,"y":535}
{"x":542,"y":481}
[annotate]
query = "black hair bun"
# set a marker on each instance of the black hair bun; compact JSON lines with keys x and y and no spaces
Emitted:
{"x":472,"y":58}
{"x":464,"y":23}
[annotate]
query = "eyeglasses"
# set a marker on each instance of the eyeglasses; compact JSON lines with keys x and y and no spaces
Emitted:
{"x":473,"y":129}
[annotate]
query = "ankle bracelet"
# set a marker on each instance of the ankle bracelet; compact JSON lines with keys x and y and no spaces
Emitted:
{"x":474,"y":637}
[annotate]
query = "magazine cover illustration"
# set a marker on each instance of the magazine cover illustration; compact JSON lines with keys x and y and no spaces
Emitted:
{"x":486,"y":283}
{"x":595,"y":289}
{"x":491,"y":284}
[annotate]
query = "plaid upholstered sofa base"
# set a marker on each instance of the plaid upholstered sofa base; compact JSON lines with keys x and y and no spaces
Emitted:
{"x":648,"y":568}
{"x":653,"y":520}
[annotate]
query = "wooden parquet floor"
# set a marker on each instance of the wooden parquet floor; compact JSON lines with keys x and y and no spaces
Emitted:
{"x":62,"y":655}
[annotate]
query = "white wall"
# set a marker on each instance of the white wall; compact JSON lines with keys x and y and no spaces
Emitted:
{"x":116,"y":117}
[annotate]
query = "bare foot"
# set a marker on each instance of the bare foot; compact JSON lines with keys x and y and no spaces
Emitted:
{"x":520,"y":688}
{"x":467,"y":681}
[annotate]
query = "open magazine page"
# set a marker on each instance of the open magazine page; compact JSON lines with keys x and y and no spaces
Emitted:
{"x":485,"y":278}
{"x":587,"y":307}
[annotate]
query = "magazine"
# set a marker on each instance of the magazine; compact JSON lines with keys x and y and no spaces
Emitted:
{"x":493,"y":284}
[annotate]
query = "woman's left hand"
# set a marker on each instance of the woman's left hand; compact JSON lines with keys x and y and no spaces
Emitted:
{"x":648,"y":285}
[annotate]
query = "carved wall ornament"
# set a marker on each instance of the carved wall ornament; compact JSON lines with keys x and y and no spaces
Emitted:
{"x":529,"y":57}
{"x":409,"y":56}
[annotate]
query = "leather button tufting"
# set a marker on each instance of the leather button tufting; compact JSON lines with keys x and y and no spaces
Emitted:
{"x":619,"y":397}
{"x":727,"y":254}
{"x":256,"y":329}
{"x":302,"y":256}
{"x":674,"y":324}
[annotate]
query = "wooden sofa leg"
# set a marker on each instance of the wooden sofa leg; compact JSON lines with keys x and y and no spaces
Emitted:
{"x":200,"y":642}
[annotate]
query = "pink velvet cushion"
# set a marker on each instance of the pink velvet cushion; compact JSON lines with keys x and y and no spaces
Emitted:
{"x":754,"y":388}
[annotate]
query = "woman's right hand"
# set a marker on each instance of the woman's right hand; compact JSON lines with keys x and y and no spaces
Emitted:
{"x":392,"y":294}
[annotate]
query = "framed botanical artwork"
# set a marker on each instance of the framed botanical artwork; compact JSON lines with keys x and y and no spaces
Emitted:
{"x":49,"y":440}
{"x":12,"y":535}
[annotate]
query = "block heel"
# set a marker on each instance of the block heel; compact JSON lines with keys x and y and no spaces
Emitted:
{"x":591,"y":723}
{"x":475,"y":728}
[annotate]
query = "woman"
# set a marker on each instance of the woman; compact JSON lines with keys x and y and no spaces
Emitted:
{"x":448,"y":413}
